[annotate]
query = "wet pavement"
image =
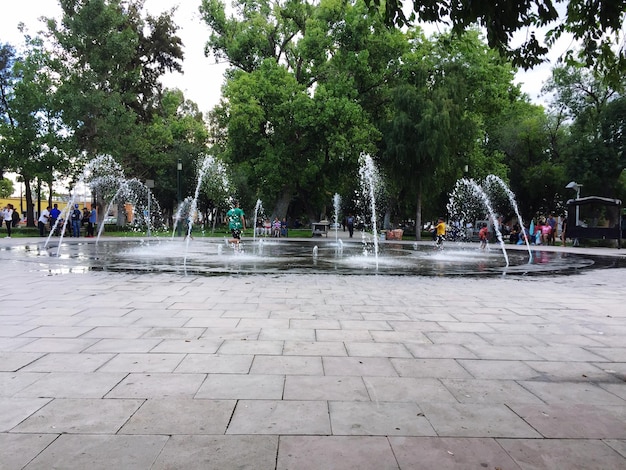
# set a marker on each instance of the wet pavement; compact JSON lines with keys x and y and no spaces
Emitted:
{"x":130,"y":370}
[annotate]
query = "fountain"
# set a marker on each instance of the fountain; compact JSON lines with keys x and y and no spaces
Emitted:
{"x":207,"y":256}
{"x":337,"y":206}
{"x":369,"y":182}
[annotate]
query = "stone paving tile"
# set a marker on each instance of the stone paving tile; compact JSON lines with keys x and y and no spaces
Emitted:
{"x":251,"y":347}
{"x":572,"y":393}
{"x":76,"y":416}
{"x":58,"y":345}
{"x":287,"y":334}
{"x":197,"y":452}
{"x":450,"y":453}
{"x":231,"y":333}
{"x":12,"y":344}
{"x":439,"y":351}
{"x":489,"y":391}
{"x":618,"y":445}
{"x":429,"y":368}
{"x":350,"y":388}
{"x":242,"y":387}
{"x":123,"y":346}
{"x":378,"y":419}
{"x":407,"y":389}
{"x":99,"y":452}
{"x":289,"y":365}
{"x":335,"y":452}
{"x":377,"y":349}
{"x":280,"y":417}
{"x":359,"y":366}
{"x":183,"y":416}
{"x":476,"y":420}
{"x":314,"y":348}
{"x":199,"y":346}
{"x":66,"y":362}
{"x":14,"y":382}
{"x":549,"y":454}
{"x":575,"y":422}
{"x":72,"y":385}
{"x":12,"y":361}
{"x":149,"y":362}
{"x":215,"y":364}
{"x":157,"y":385}
{"x":495,"y":369}
{"x":16,"y":450}
{"x":14,"y":410}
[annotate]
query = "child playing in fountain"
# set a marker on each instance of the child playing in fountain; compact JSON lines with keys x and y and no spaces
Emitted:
{"x":483,"y":235}
{"x":440,"y":230}
{"x":236,"y":222}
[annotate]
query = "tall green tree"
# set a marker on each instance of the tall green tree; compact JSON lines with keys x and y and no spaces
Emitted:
{"x":110,"y":59}
{"x":292,"y":109}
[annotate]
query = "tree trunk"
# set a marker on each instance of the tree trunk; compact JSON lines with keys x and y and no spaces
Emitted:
{"x":30,"y":213}
{"x":282,"y":204}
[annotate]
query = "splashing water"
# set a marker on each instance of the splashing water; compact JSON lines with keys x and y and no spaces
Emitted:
{"x":337,"y":205}
{"x":369,"y":181}
{"x":257,"y":209}
{"x":497,"y":180}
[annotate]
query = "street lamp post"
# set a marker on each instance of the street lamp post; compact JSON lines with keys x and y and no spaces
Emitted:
{"x":179,"y":169}
{"x":576,"y":187}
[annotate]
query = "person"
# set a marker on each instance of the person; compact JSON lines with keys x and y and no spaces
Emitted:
{"x":563,"y":230}
{"x":483,"y":236}
{"x":284,"y":230}
{"x":440,"y":230}
{"x":546,"y":233}
{"x":350,"y":224}
{"x":552,"y":223}
{"x":91,"y":222}
{"x":236,"y":222}
{"x":44,"y":218}
{"x":55,"y":213}
{"x":7,"y":216}
{"x":276,"y":228}
{"x":15,"y":217}
{"x":76,"y":218}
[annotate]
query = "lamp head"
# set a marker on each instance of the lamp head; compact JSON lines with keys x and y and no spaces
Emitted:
{"x":572,"y":185}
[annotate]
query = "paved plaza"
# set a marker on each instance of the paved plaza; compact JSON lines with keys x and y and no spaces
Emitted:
{"x":103,"y":370}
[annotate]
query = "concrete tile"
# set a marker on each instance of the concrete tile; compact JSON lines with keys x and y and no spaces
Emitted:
{"x":227,"y":333}
{"x":314,"y":348}
{"x":378,"y":419}
{"x":57,"y":332}
{"x":359,"y":366}
{"x":287,"y":365}
{"x":13,"y":382}
{"x":12,"y":344}
{"x":242,"y":386}
{"x":179,"y":415}
{"x":579,"y":422}
{"x":15,"y":410}
{"x":489,"y":391}
{"x":287,"y":334}
{"x":429,"y":368}
{"x":186,"y":346}
{"x":123,"y":346}
{"x":566,"y":353}
{"x":58,"y":345}
{"x":298,"y":387}
{"x":450,"y":453}
{"x":344,"y":335}
{"x":335,"y":452}
{"x":199,"y":452}
{"x":16,"y":450}
{"x":62,"y":362}
{"x":215,"y":364}
{"x":150,"y":362}
{"x":407,"y":337}
{"x":439,"y":351}
{"x":157,"y":385}
{"x":476,"y":420}
{"x":118,"y":332}
{"x":251,"y":347}
{"x":99,"y":452}
{"x":72,"y":385}
{"x":494,"y":369}
{"x":13,"y":361}
{"x":316,"y":324}
{"x":571,"y":372}
{"x":561,"y":453}
{"x":407,"y":389}
{"x":571,"y":393}
{"x":617,"y":445}
{"x":80,"y":416}
{"x":280,"y":417}
{"x":377,"y":350}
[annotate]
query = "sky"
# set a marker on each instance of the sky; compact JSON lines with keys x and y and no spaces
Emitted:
{"x":202,"y":78}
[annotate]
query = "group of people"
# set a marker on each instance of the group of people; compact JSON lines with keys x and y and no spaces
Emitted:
{"x":10,"y":217}
{"x":50,"y":220}
{"x":275,"y":228}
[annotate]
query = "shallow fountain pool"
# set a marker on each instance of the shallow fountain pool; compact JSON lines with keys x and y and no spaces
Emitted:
{"x":270,"y":256}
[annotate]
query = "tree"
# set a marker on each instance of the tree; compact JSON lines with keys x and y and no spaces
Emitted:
{"x":597,"y":24}
{"x":110,"y":59}
{"x":594,"y":155}
{"x":292,"y":109}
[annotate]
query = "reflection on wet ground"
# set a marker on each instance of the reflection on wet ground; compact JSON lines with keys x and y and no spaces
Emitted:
{"x":215,"y":257}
